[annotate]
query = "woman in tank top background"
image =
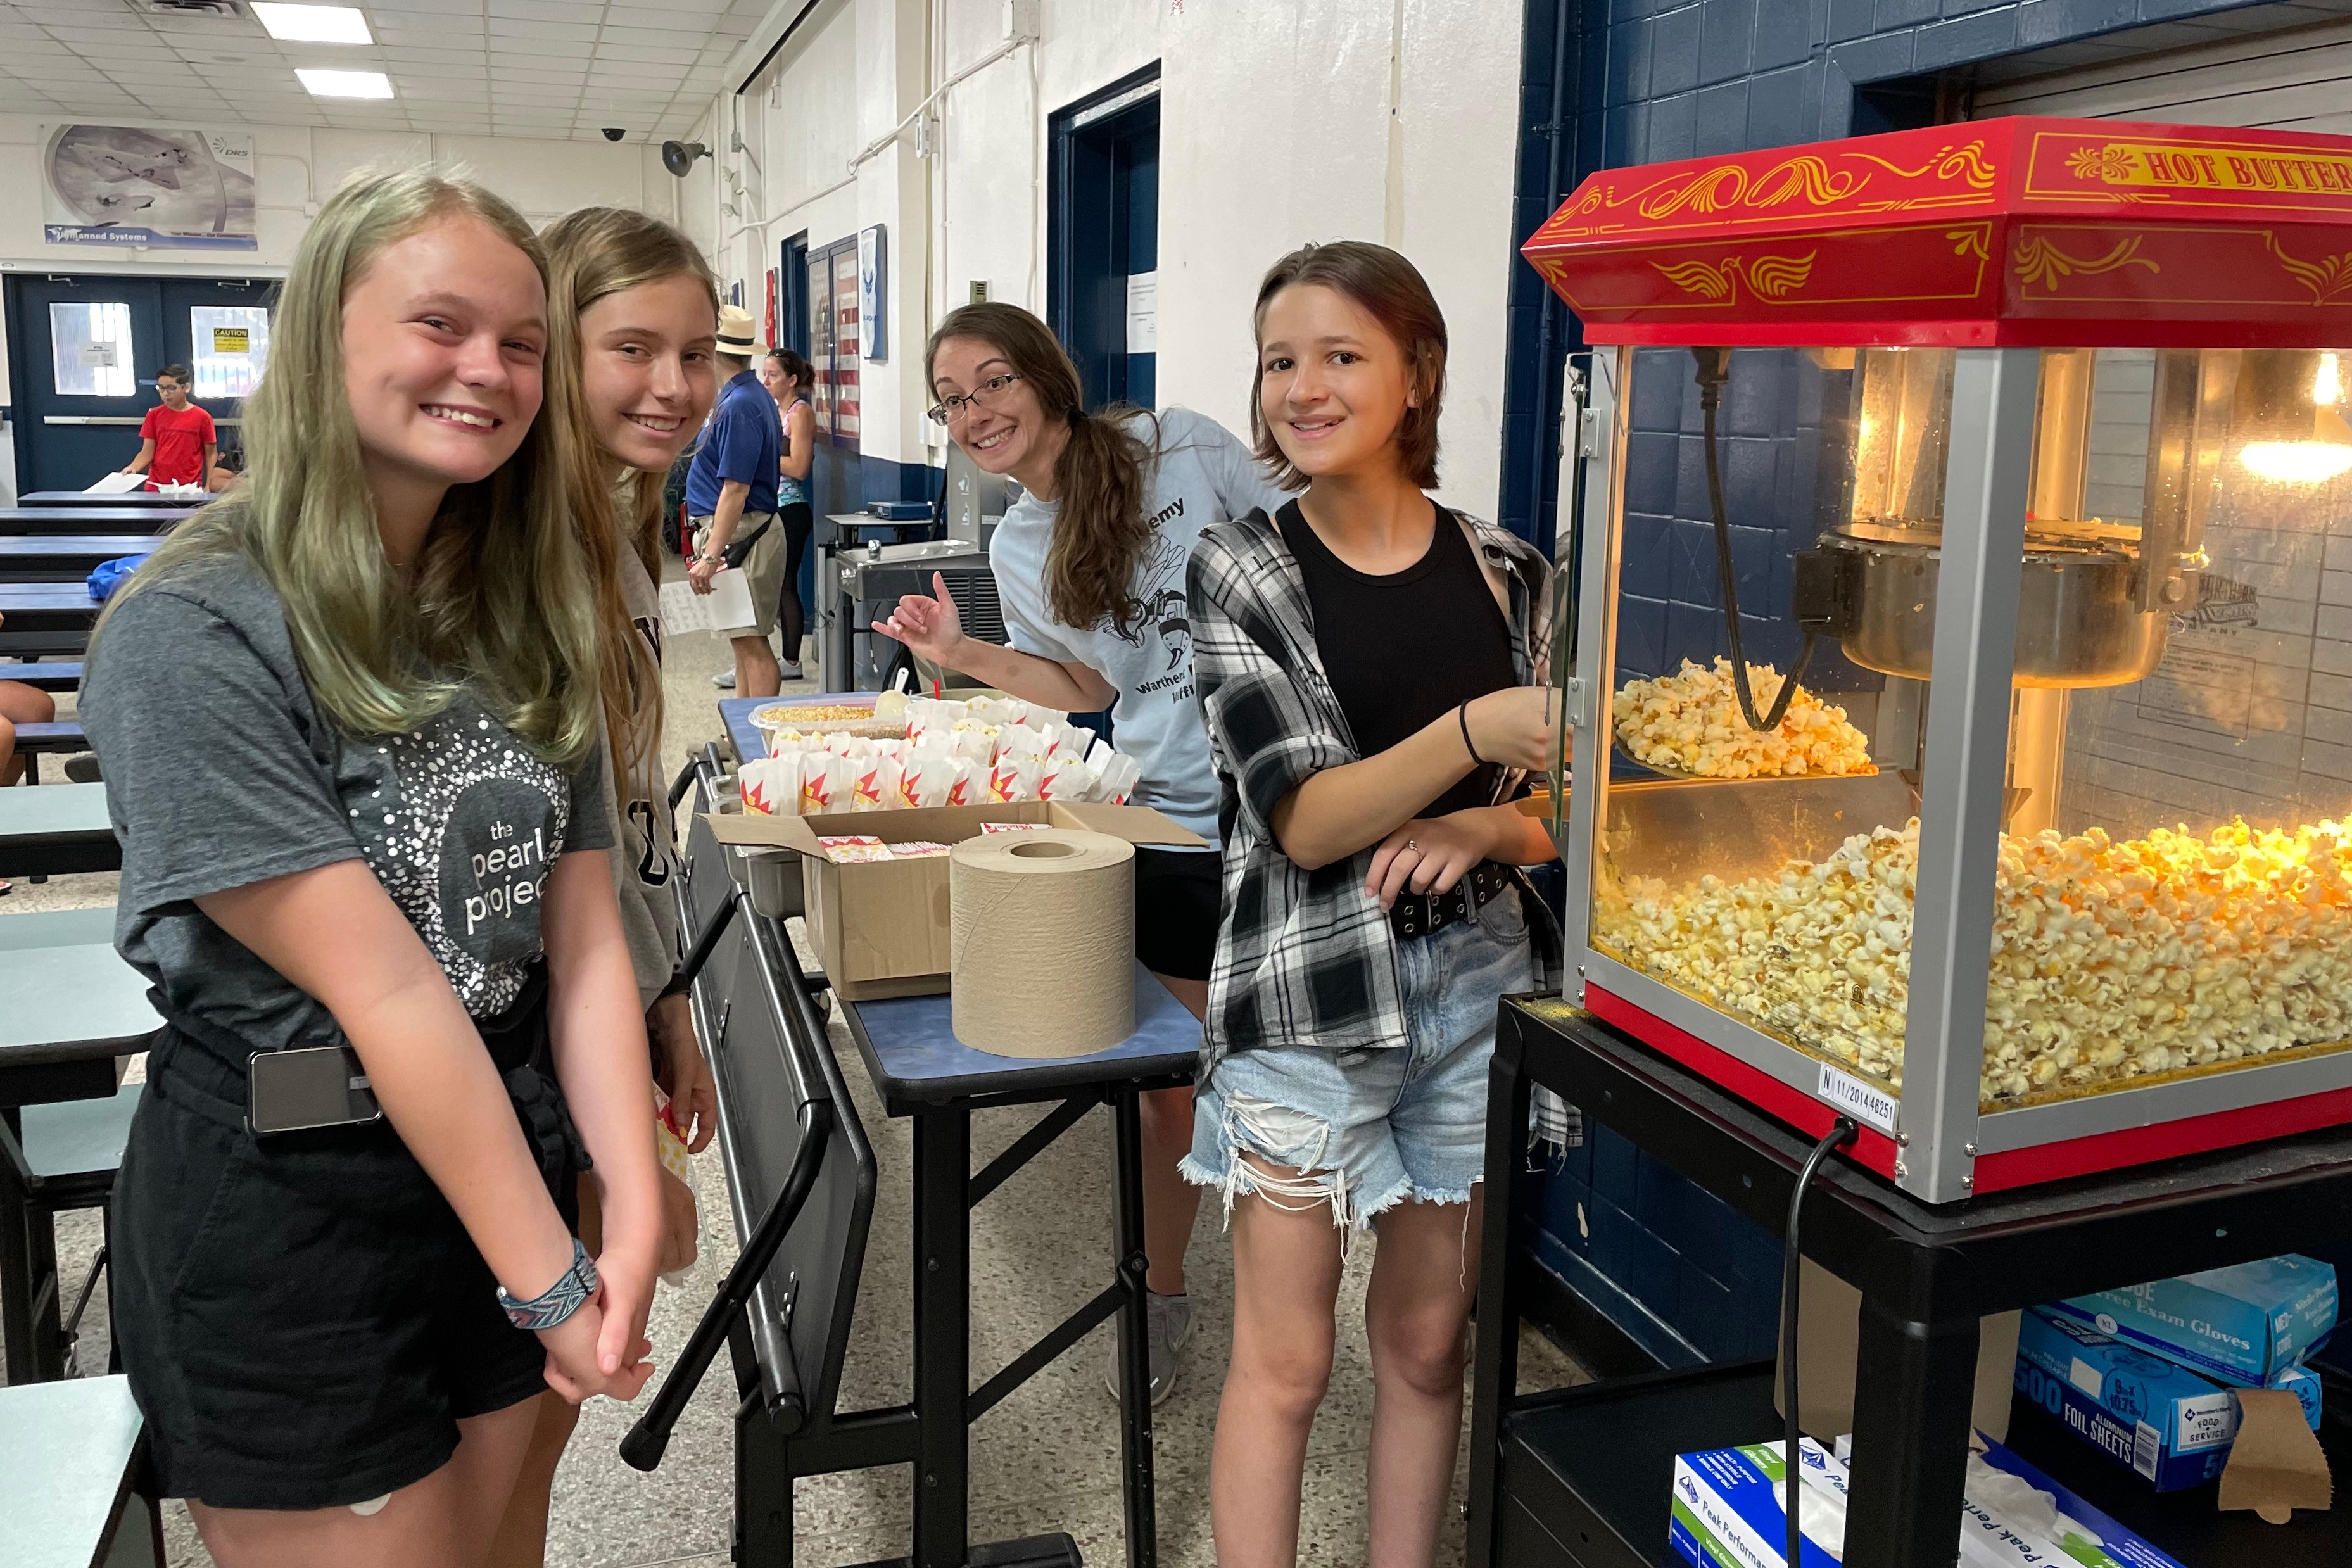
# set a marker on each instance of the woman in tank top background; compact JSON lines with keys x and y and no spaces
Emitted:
{"x":788,"y":378}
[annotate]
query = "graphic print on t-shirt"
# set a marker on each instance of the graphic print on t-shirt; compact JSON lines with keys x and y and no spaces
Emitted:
{"x":469,"y":824}
{"x":1166,"y":614}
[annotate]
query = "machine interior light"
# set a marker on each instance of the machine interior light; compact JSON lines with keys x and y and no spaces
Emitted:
{"x":2297,"y":462}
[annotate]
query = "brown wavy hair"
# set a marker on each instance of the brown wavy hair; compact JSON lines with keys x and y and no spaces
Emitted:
{"x":1392,"y":291}
{"x":1101,"y":530}
{"x":591,"y":254}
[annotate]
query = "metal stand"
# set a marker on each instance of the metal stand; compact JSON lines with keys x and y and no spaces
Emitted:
{"x":1927,"y":1274}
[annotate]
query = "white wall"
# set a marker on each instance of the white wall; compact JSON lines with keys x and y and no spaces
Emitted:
{"x":1275,"y":130}
{"x":295,"y":168}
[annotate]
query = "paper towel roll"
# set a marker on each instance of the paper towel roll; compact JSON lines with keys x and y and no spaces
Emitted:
{"x":1041,"y":941}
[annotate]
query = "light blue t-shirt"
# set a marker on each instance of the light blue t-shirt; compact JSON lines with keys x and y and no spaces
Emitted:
{"x":1203,"y":474}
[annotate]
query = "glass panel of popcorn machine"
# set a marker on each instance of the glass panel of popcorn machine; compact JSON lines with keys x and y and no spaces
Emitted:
{"x":2172,"y":895}
{"x":1754,"y":852}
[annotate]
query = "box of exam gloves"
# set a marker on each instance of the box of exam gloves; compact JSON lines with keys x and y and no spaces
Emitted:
{"x":2243,"y":1325}
{"x":2145,"y":1413}
{"x":1729,"y":1512}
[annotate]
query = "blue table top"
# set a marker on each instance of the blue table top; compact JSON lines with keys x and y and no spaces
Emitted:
{"x":736,"y":713}
{"x":910,"y":1049}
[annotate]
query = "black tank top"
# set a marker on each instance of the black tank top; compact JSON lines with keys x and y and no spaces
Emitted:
{"x":1407,"y":649}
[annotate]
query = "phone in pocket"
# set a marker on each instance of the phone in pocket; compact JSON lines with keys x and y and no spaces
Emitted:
{"x":317,"y":1086}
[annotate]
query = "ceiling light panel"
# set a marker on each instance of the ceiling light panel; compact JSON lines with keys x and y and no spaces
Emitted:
{"x":312,"y":24}
{"x":344,"y":84}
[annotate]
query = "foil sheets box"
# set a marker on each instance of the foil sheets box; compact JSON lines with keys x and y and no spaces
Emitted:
{"x":2142,"y":1411}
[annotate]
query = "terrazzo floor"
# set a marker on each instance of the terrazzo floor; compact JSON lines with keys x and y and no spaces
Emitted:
{"x":1045,"y":1460}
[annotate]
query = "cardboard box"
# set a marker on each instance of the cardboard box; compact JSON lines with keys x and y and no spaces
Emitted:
{"x":1728,"y":1513}
{"x":2241,"y":1325}
{"x":1829,"y":1343}
{"x":880,"y":928}
{"x":2148,"y":1413}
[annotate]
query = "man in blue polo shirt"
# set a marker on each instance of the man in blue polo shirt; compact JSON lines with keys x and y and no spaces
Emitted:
{"x":730,"y":500}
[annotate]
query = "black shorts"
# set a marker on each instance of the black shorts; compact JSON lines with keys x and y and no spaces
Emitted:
{"x":1176,"y":894}
{"x":302,"y":1316}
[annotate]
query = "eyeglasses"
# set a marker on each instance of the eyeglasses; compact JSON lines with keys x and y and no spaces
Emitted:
{"x":948,"y":410}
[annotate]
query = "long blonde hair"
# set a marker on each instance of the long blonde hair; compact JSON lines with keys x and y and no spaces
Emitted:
{"x":501,"y":598}
{"x":592,"y":254}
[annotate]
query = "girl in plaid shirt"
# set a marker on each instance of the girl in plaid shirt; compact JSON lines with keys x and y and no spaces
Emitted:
{"x":1367,"y":662}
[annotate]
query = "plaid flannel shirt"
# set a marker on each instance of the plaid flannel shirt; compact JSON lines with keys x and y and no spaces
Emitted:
{"x":1309,"y":957}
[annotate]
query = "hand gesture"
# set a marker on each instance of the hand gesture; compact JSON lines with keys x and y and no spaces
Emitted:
{"x":683,"y":1075}
{"x":931,"y":627}
{"x":580,"y":1348}
{"x":699,"y":573}
{"x":1518,"y":727}
{"x":1428,"y":854}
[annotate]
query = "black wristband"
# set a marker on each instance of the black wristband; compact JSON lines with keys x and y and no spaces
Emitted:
{"x":1462,"y":713}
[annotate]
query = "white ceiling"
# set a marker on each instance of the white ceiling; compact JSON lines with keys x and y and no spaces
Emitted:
{"x":560,"y":68}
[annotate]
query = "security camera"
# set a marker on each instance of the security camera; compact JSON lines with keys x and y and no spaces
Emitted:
{"x":614,"y":133}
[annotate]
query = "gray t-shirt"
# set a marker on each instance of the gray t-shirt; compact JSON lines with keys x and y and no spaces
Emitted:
{"x":1202,"y":474}
{"x":644,"y":863}
{"x":220,"y":772}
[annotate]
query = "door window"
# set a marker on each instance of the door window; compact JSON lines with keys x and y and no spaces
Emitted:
{"x":230,"y":348}
{"x":91,"y":349}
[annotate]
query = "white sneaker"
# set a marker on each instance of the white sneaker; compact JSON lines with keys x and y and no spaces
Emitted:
{"x":724,"y":680}
{"x":1172,"y":1329}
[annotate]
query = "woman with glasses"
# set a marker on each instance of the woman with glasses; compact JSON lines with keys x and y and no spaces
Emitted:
{"x":1089,"y":567}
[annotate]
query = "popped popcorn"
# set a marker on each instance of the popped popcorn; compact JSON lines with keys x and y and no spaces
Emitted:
{"x":1690,"y":723}
{"x":2111,"y":960}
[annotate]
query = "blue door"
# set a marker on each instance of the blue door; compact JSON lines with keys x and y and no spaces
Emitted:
{"x":1103,"y":251}
{"x":84,"y":351}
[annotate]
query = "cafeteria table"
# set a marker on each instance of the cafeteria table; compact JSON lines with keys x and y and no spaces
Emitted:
{"x":56,"y":830}
{"x":65,"y":557}
{"x":45,"y":617}
{"x":148,"y":520}
{"x":119,"y":497}
{"x":75,"y":1012}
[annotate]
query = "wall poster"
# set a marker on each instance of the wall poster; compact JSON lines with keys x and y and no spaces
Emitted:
{"x":115,"y":185}
{"x":872,"y":289}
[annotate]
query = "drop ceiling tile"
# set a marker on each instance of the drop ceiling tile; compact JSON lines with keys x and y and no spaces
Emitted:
{"x":510,"y":27}
{"x":648,"y":54}
{"x":651,"y":37}
{"x":379,"y":10}
{"x":571,"y":11}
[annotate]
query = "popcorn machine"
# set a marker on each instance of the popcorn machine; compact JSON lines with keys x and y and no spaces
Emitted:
{"x":1979,"y":763}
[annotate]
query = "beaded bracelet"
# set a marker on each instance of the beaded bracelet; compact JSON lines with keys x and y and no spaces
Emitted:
{"x":556,"y":1303}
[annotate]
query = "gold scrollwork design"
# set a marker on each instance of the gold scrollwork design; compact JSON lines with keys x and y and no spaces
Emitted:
{"x":1968,"y":242}
{"x":1804,"y":175}
{"x":2328,"y":279}
{"x":1964,"y":161}
{"x":1769,"y":278}
{"x":1967,"y":161}
{"x":2040,"y":261}
{"x":2110,"y":165}
{"x":1710,"y":190}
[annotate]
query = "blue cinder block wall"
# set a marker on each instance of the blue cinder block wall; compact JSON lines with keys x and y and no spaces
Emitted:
{"x":1607,"y":83}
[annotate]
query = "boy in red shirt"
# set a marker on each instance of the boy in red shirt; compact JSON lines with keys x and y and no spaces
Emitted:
{"x":177,"y":445}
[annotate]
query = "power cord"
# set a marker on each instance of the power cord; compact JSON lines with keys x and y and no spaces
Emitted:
{"x":1842,"y":1132}
{"x":1713,"y":371}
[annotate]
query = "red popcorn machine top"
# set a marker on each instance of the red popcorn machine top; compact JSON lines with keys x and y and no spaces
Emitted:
{"x":2049,"y":873}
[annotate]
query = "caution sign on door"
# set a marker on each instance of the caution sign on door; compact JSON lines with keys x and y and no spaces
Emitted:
{"x":232,"y":340}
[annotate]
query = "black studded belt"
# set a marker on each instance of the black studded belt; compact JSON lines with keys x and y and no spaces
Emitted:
{"x":1418,"y":914}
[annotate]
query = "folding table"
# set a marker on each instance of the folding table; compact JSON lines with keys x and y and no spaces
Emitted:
{"x":65,"y":557}
{"x":74,"y":1010}
{"x":56,"y":830}
{"x":758,"y":1007}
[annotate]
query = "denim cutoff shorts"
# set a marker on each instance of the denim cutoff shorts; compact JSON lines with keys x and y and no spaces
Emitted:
{"x":1372,"y":1127}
